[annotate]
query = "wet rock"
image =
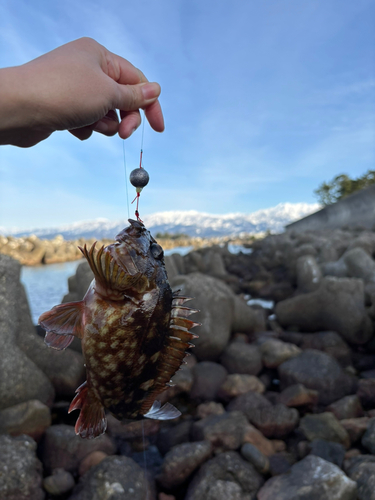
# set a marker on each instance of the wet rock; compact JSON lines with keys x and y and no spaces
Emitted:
{"x":224,"y":477}
{"x":114,"y":478}
{"x":63,"y":449}
{"x":298,"y":395}
{"x":274,"y":352}
{"x":328,"y":450}
{"x":31,"y":418}
{"x":318,"y":371}
{"x":59,"y":483}
{"x":362,"y":470}
{"x":255,"y":457}
{"x":20,"y":470}
{"x":221,"y":312}
{"x":312,"y":478}
{"x":337,"y":305}
{"x":181,"y":461}
{"x":249,"y":403}
{"x":275,"y":421}
{"x":329,"y":342}
{"x":368,"y":439}
{"x":207,"y":409}
{"x":239,"y":383}
{"x":91,"y":460}
{"x":20,"y":379}
{"x":308,"y":273}
{"x":225,"y":432}
{"x":355,"y":427}
{"x":280,"y":463}
{"x":324,"y":426}
{"x":171,"y":436}
{"x":242,"y":358}
{"x":366,"y":392}
{"x":208,"y":377}
{"x":347,"y":407}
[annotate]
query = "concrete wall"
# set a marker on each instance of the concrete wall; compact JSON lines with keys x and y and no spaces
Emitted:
{"x":356,"y":210}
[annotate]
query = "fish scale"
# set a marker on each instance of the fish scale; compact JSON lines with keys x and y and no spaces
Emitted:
{"x":134,"y":332}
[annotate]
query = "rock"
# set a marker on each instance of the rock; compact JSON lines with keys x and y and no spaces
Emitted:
{"x":312,"y":478}
{"x":225,"y":432}
{"x":20,"y":471}
{"x":208,"y":377}
{"x":298,"y":395}
{"x":59,"y":483}
{"x":318,"y":371}
{"x":362,"y":470}
{"x":280,"y":463}
{"x":308,"y":273}
{"x":207,"y":409}
{"x":355,"y":427}
{"x":171,"y":436}
{"x":359,"y":264}
{"x":242,"y":358}
{"x":91,"y":460}
{"x":221,"y":312}
{"x":366,"y":392}
{"x":275,"y":421}
{"x":164,"y":496}
{"x":239,"y":383}
{"x":256,"y":438}
{"x":255,"y":457}
{"x":274,"y":352}
{"x":181,"y":461}
{"x":337,"y":305}
{"x":31,"y":418}
{"x":114,"y":477}
{"x":249,"y":403}
{"x":131,"y":429}
{"x":324,"y":426}
{"x":214,"y":264}
{"x":328,"y":450}
{"x":368,"y":439}
{"x":20,"y":379}
{"x":63,"y":449}
{"x":225,"y":477}
{"x":79,"y":282}
{"x":329,"y":342}
{"x":170,"y":266}
{"x":347,"y":407}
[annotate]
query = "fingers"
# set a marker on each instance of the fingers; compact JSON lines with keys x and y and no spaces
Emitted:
{"x":130,"y":121}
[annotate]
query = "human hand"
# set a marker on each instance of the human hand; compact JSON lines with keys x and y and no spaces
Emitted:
{"x":76,"y":87}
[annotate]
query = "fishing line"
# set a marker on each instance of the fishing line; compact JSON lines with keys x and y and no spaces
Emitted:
{"x":126,"y":179}
{"x":144,"y":457}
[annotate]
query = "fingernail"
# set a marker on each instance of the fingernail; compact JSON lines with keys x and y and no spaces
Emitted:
{"x":150,"y":91}
{"x":101,"y":127}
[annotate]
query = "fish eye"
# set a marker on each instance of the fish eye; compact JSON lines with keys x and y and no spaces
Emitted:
{"x":157,"y":251}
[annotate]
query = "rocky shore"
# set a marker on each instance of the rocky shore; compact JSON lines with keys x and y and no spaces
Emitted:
{"x":277,"y":401}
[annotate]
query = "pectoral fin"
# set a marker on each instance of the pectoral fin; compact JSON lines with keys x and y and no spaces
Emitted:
{"x":58,"y":342}
{"x":165,"y":412}
{"x":65,"y":319}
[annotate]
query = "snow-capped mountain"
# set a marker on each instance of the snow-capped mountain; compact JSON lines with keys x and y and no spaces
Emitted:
{"x":190,"y":222}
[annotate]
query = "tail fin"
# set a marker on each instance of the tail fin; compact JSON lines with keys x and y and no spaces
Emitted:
{"x":91,"y":422}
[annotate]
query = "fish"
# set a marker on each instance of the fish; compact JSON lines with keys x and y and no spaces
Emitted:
{"x":134,"y":331}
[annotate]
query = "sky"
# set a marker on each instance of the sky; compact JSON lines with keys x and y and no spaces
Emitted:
{"x":263,"y":101}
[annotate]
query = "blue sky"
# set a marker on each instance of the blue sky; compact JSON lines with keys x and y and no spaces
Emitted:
{"x":263,"y":100}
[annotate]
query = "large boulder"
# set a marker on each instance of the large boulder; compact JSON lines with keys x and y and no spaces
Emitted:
{"x":316,"y":370}
{"x":221,"y":312}
{"x":338,"y":305}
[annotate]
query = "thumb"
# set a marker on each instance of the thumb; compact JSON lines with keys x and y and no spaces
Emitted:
{"x":134,"y":97}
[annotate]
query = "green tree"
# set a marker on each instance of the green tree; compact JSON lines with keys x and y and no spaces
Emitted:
{"x":341,"y":186}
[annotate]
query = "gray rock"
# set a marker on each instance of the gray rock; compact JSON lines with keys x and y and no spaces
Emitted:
{"x":366,"y":392}
{"x":20,"y":471}
{"x":79,"y":282}
{"x":298,"y":395}
{"x":362,"y":470}
{"x":368,"y":439}
{"x":170,"y":266}
{"x":312,"y":478}
{"x":242,"y":358}
{"x":168,"y":437}
{"x":338,"y":304}
{"x":328,"y":450}
{"x":20,"y":379}
{"x":208,"y":377}
{"x":211,"y":408}
{"x":274,"y":352}
{"x":115,"y":478}
{"x":360,"y":264}
{"x":324,"y":426}
{"x":255,"y":457}
{"x":347,"y":407}
{"x":225,"y":477}
{"x":355,"y":427}
{"x":275,"y":421}
{"x":316,"y":370}
{"x":31,"y":418}
{"x":63,"y":449}
{"x":225,"y":432}
{"x":309,"y":274}
{"x":337,"y":268}
{"x":214,"y":264}
{"x":280,"y":463}
{"x":250,"y":403}
{"x":59,"y":483}
{"x":329,"y":342}
{"x":221,"y":312}
{"x":181,"y":461}
{"x":239,"y":383}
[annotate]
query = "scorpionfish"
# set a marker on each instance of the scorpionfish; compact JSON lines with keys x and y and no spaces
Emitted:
{"x":134,"y":332}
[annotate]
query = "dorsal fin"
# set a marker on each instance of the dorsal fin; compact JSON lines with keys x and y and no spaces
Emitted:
{"x":64,"y":319}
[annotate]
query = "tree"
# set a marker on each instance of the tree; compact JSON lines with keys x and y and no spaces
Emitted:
{"x":341,"y":186}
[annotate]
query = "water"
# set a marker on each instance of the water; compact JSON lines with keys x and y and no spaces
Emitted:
{"x":46,"y":285}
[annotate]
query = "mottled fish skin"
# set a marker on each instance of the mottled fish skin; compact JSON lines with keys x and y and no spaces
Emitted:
{"x":134,"y":331}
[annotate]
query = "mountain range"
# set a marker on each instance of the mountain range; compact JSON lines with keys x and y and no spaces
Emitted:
{"x":191,"y":223}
